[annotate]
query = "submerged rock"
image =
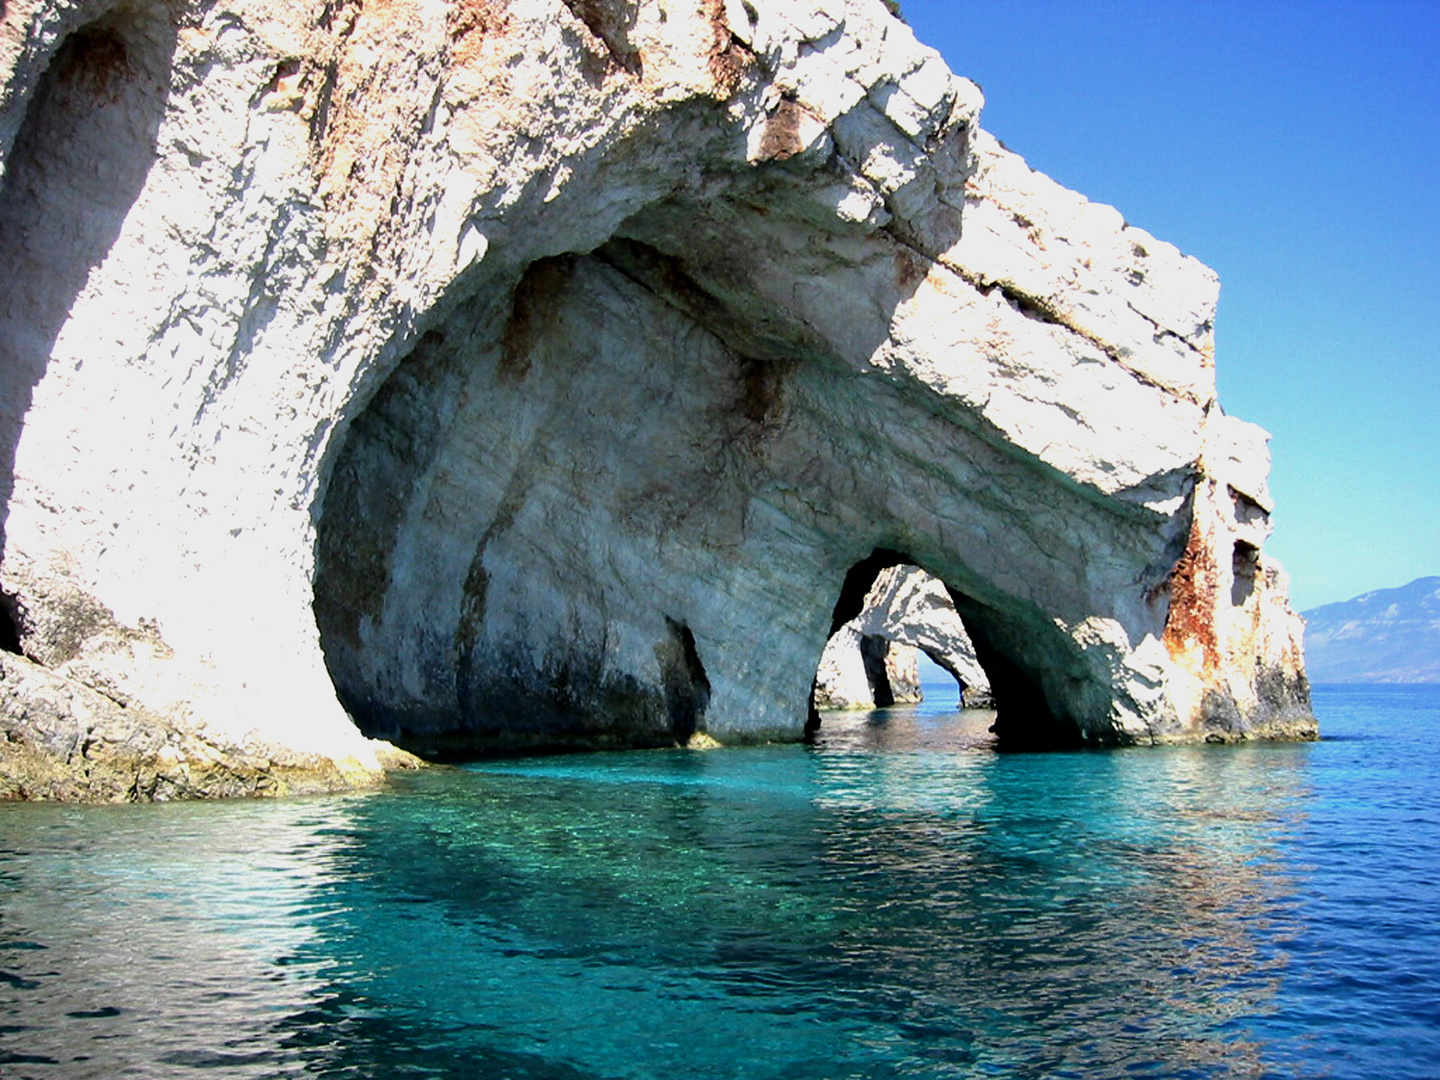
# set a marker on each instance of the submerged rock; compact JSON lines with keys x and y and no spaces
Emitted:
{"x":539,"y":374}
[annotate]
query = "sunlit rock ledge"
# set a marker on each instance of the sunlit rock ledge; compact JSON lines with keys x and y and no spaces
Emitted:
{"x":490,"y":375}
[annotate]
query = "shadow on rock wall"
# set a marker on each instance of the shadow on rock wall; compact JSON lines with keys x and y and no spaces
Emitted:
{"x":79,"y":161}
{"x":576,"y":513}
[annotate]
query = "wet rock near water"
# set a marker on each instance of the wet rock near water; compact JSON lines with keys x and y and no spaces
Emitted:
{"x":61,"y":740}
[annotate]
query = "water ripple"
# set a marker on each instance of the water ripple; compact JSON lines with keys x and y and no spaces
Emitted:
{"x":899,"y":900}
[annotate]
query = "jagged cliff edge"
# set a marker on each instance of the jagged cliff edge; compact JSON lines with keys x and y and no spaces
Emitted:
{"x":541,"y":373}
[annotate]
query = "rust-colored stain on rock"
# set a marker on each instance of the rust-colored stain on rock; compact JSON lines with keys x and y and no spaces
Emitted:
{"x":728,"y":56}
{"x":471,"y":23}
{"x":1194,"y":584}
{"x":781,"y":139}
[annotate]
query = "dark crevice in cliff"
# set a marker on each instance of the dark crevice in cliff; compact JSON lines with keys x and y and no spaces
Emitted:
{"x":1245,"y":567}
{"x":687,"y":689}
{"x":1162,"y":332}
{"x":9,"y":625}
{"x":610,"y":22}
{"x":874,"y":651}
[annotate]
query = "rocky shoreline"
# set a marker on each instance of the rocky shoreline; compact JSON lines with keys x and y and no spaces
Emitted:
{"x":60,"y":740}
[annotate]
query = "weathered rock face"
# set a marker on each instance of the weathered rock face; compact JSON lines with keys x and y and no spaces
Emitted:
{"x":871,"y":660}
{"x":536,"y":373}
{"x":859,"y":672}
{"x":64,"y":740}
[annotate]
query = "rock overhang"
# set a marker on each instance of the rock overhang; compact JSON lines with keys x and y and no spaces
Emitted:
{"x":898,"y":336}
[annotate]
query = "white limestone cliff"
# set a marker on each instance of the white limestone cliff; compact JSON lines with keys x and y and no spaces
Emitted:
{"x":871,"y":661}
{"x":528,"y":372}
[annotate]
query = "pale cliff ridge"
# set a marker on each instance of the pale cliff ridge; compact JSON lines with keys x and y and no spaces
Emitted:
{"x":540,"y":373}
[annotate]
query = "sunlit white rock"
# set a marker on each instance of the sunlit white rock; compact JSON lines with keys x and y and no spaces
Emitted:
{"x":229,"y":240}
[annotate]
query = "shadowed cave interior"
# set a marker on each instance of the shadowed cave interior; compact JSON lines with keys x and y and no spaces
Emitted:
{"x":557,"y":526}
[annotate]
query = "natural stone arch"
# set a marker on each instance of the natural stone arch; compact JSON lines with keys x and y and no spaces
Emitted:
{"x":599,"y":478}
{"x":349,"y":206}
{"x":1027,"y":671}
{"x":871,"y":660}
{"x":581,"y":501}
{"x":611,"y":409}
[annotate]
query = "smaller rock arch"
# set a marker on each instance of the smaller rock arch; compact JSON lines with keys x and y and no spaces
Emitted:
{"x":870,"y":661}
{"x":1012,"y":668}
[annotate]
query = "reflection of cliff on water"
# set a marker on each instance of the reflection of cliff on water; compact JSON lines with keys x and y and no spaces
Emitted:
{"x":1135,"y":899}
{"x":838,"y":910}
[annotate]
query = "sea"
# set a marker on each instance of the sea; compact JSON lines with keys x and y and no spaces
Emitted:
{"x":897,"y":900}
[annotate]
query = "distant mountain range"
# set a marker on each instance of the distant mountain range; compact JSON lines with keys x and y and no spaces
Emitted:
{"x":1385,"y":636}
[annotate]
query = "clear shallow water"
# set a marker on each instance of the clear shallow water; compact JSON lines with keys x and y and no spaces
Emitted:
{"x":898,"y":901}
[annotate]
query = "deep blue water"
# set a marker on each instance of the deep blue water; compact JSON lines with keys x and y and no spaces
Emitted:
{"x":898,"y":901}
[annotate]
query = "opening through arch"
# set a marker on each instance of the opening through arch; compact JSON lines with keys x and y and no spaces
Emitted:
{"x":889,"y":610}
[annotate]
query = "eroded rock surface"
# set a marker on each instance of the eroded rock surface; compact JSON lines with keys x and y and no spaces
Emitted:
{"x":871,"y":661}
{"x":536,"y":373}
{"x":63,"y":740}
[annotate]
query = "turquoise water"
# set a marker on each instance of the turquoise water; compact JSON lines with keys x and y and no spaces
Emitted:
{"x":897,"y":901}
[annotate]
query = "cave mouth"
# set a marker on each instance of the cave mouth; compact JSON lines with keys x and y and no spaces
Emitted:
{"x":518,"y":550}
{"x":1245,"y":569}
{"x":514,"y":526}
{"x":582,"y":511}
{"x":889,"y":611}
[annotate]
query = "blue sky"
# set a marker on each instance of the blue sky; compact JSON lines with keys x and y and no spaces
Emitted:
{"x":1295,"y":148}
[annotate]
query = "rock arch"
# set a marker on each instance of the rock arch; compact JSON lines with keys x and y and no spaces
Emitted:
{"x":905,"y":611}
{"x":1035,"y":676}
{"x":450,"y":357}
